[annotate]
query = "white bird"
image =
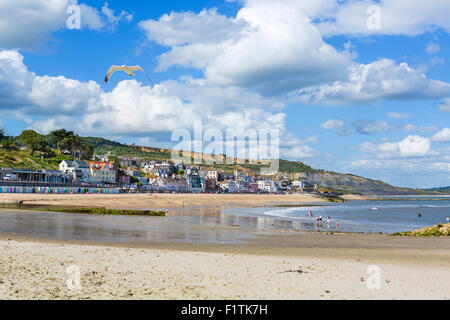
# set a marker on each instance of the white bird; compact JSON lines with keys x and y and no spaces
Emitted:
{"x":129,"y":70}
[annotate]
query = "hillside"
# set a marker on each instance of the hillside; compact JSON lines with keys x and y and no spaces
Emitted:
{"x":345,"y":183}
{"x":445,"y":190}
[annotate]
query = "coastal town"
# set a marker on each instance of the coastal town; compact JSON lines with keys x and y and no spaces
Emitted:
{"x":133,"y":174}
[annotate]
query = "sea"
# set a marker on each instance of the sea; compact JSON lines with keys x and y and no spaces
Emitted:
{"x":396,"y":214}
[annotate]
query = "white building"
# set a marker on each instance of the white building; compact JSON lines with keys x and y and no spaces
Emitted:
{"x":80,"y":170}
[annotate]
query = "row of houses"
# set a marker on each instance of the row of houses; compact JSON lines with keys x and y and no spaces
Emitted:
{"x":158,"y":176}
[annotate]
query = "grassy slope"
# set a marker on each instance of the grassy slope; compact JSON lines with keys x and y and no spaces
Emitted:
{"x":21,"y":159}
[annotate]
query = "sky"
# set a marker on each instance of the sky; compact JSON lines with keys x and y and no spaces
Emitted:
{"x":355,"y":86}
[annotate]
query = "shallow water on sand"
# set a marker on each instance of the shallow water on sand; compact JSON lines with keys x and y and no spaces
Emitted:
{"x":359,"y":216}
{"x":228,"y":225}
{"x":196,"y":225}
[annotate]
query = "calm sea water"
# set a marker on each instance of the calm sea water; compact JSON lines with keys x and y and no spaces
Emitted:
{"x":358,"y":216}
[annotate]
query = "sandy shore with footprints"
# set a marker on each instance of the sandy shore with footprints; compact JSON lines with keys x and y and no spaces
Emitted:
{"x":40,"y":270}
{"x":290,"y":266}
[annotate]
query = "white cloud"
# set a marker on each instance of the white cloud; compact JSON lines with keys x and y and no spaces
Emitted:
{"x":368,"y":126}
{"x":114,"y":20}
{"x":276,"y":47}
{"x":299,"y":152}
{"x":177,"y":29}
{"x":268,"y":47}
{"x":399,"y":17}
{"x":27,"y":24}
{"x":337,"y":125}
{"x":382,"y":79}
{"x":445,"y":105}
{"x":433,"y":48}
{"x":414,"y":128}
{"x":397,"y":115}
{"x":411,"y":146}
{"x":442,"y":136}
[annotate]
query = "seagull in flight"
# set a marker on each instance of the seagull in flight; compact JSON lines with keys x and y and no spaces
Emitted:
{"x":128,"y":69}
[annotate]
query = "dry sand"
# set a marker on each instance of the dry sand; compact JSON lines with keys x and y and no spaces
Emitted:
{"x":135,"y":201}
{"x":38,"y":270}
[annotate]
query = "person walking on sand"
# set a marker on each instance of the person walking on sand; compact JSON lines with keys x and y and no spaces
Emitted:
{"x":337,"y":225}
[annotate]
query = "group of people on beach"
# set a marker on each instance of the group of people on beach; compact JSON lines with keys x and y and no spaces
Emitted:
{"x":319,"y":221}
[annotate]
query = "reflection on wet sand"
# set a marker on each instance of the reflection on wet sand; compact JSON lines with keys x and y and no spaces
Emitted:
{"x":189,"y":225}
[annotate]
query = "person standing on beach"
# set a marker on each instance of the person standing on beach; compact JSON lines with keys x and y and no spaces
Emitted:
{"x":337,"y":225}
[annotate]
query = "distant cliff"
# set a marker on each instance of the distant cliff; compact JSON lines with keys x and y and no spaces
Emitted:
{"x":348,"y":183}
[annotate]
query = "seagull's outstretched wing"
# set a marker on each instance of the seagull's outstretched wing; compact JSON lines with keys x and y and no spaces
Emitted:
{"x":129,"y":70}
{"x":111,"y":71}
{"x":136,"y":68}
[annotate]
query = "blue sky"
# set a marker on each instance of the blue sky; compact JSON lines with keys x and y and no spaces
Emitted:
{"x":347,"y":96}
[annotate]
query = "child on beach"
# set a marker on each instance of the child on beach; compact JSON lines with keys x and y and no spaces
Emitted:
{"x":337,"y":225}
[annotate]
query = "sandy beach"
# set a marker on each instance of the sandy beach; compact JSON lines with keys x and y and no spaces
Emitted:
{"x":139,"y":201}
{"x":39,"y":270}
{"x":267,"y":265}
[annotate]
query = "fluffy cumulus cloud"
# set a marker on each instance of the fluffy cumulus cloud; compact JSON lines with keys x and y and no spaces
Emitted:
{"x":277,"y":47}
{"x":299,"y":152}
{"x":385,"y":17}
{"x":364,"y":126}
{"x":442,"y":136}
{"x":411,"y":146}
{"x":43,"y":94}
{"x":268,"y":47}
{"x":27,"y":24}
{"x":379,"y":80}
{"x":337,"y":125}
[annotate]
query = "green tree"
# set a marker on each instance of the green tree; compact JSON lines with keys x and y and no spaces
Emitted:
{"x":33,"y":141}
{"x":9,"y":144}
{"x":133,"y":179}
{"x":55,"y":137}
{"x":68,"y":141}
{"x":115,"y":161}
{"x":87,"y":151}
{"x":2,"y":134}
